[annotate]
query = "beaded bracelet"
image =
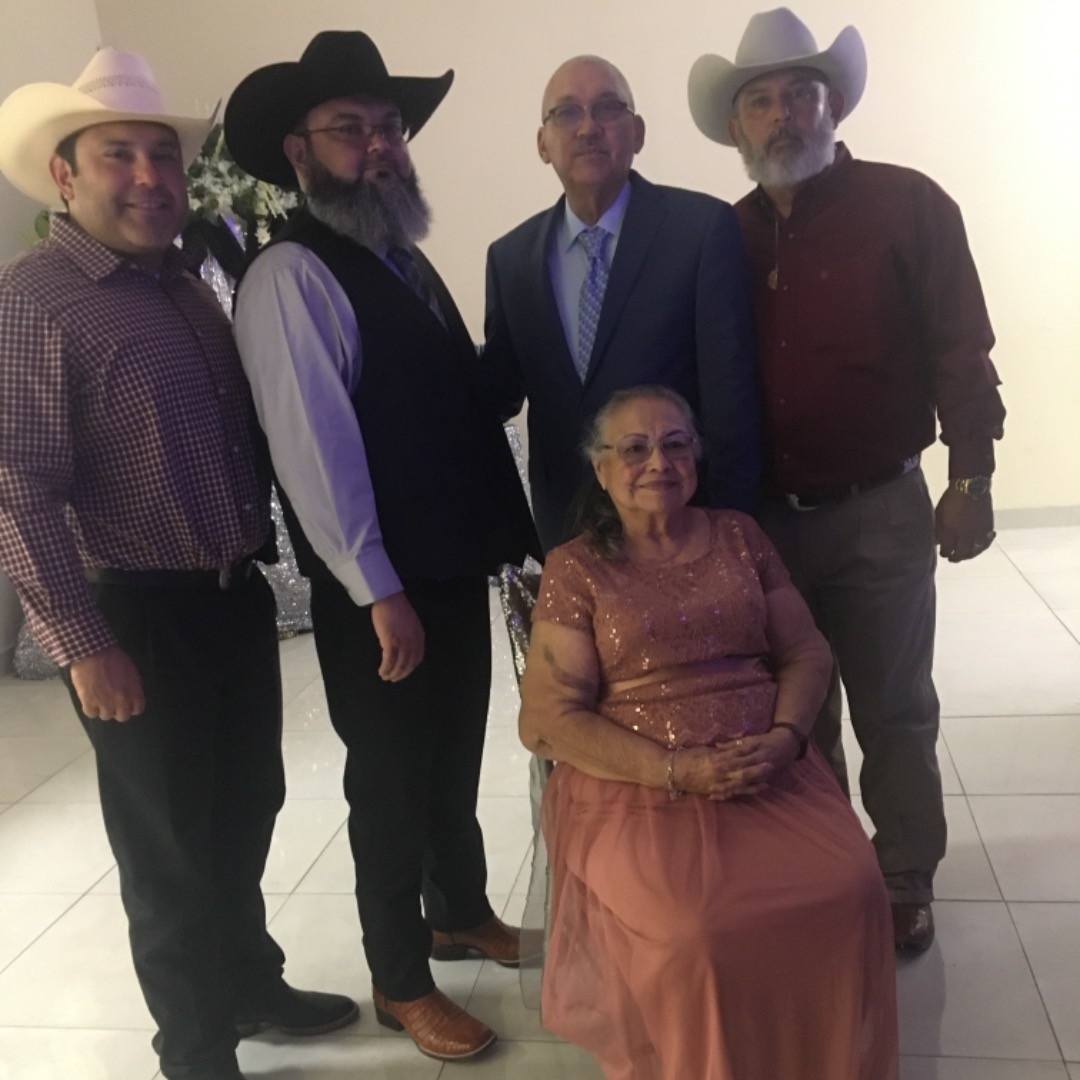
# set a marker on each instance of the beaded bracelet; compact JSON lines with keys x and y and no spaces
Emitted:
{"x":803,"y":738}
{"x":672,"y":791}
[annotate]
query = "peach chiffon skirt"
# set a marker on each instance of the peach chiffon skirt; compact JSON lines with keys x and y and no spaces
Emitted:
{"x":743,"y":940}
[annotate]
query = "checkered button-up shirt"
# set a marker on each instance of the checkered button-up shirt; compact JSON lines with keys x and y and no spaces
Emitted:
{"x":127,"y":435}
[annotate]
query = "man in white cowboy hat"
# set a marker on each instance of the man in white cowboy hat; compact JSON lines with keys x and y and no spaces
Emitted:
{"x":401,"y":496}
{"x":870,"y":321}
{"x":620,"y":283}
{"x":132,"y":501}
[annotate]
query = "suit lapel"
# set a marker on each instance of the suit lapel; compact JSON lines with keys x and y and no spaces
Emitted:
{"x":644,"y":215}
{"x":549,"y":323}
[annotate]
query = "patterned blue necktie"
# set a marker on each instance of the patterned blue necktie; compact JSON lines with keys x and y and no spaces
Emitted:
{"x":594,"y":241}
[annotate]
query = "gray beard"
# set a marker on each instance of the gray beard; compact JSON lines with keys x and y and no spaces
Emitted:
{"x":388,"y":214}
{"x":816,"y":153}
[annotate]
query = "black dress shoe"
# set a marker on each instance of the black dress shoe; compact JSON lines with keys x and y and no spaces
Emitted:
{"x":295,"y":1012}
{"x":913,"y":928}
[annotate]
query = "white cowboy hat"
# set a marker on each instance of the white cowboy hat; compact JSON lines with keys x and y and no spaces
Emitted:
{"x":773,"y":40}
{"x":115,"y":86}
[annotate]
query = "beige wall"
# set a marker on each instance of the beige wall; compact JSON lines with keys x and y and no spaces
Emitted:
{"x":982,"y":96}
{"x":46,"y":41}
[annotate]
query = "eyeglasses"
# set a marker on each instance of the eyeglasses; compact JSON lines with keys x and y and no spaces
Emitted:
{"x":570,"y":114}
{"x":360,"y":132}
{"x":634,"y":450}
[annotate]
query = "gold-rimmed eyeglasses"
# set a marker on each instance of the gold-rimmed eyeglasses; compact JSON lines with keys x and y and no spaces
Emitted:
{"x":634,"y":450}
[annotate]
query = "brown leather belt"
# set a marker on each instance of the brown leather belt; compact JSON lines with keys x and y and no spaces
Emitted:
{"x":225,"y":579}
{"x":811,"y":500}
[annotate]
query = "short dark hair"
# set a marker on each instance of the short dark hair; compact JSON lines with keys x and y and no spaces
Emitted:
{"x":65,"y":148}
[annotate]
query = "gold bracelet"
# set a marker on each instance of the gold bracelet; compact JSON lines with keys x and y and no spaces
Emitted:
{"x":672,"y":791}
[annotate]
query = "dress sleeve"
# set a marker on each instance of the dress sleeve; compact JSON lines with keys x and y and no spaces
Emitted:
{"x":565,"y":596}
{"x":37,"y":468}
{"x":958,"y":334}
{"x":771,"y":571}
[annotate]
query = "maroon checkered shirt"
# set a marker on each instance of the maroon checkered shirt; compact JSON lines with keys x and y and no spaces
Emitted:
{"x":126,"y":431}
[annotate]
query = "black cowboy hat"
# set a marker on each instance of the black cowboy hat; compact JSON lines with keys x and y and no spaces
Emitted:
{"x":271,"y":101}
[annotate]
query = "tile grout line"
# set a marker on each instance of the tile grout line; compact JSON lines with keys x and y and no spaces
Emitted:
{"x":1016,"y":929}
{"x":1049,"y":606}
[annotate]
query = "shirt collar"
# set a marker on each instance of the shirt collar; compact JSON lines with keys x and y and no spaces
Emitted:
{"x":611,"y":219}
{"x":93,"y":258}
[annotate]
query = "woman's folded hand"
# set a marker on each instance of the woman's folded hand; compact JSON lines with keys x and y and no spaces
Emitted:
{"x":739,"y":767}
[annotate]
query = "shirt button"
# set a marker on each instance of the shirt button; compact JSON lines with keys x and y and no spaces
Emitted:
{"x":248,"y":507}
{"x":236,"y":449}
{"x":221,"y":391}
{"x":783,"y":288}
{"x":791,"y":236}
{"x":783,"y":344}
{"x":785,"y":456}
{"x":783,"y":401}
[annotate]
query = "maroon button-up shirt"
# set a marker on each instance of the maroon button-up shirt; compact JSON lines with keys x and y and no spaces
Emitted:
{"x":870,"y":321}
{"x":126,"y":431}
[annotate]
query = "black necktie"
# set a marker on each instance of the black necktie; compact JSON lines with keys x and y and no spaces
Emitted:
{"x":410,"y":272}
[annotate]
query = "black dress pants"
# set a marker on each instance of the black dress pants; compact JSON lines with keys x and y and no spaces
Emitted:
{"x":412,"y":770}
{"x":189,"y":791}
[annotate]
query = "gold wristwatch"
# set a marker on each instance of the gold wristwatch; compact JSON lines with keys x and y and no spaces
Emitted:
{"x":975,"y":486}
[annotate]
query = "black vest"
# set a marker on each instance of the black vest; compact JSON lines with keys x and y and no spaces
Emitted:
{"x":448,"y":497}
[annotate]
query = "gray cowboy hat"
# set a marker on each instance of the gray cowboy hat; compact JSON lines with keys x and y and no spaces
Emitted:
{"x":773,"y":40}
{"x":271,"y":101}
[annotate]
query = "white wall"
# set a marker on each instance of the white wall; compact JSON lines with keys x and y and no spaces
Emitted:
{"x":47,"y":41}
{"x":982,"y":96}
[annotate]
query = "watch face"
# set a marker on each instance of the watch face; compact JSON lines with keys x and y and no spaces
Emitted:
{"x":977,"y":485}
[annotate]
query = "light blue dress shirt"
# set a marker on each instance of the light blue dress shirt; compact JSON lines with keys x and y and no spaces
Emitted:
{"x":568,"y":264}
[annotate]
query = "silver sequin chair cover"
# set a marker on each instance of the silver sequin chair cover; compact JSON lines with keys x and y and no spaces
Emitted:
{"x":518,"y":590}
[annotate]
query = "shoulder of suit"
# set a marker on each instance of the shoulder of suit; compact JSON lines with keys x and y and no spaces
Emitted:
{"x":683,"y":198}
{"x":525,"y":232}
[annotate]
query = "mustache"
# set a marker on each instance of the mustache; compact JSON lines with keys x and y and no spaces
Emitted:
{"x":782,"y":133}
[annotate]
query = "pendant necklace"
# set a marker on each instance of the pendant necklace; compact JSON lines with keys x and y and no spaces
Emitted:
{"x":774,"y":273}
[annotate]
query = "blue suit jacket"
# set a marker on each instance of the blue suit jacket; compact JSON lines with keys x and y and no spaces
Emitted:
{"x":676,"y":311}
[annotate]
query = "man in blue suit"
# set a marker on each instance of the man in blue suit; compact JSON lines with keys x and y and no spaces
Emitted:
{"x":621,"y":283}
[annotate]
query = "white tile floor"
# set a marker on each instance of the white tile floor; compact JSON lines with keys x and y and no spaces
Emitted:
{"x":996,"y":998}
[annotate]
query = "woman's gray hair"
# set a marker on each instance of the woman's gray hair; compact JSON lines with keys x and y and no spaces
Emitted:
{"x":596,"y":515}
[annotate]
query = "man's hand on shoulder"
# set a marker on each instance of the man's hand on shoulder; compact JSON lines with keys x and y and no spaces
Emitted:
{"x":108,"y":685}
{"x":964,"y":524}
{"x":400,"y":634}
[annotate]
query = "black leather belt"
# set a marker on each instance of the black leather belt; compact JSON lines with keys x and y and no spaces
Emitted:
{"x":225,"y":579}
{"x":811,"y":500}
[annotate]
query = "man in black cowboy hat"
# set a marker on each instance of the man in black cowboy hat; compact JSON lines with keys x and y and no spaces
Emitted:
{"x":401,"y":497}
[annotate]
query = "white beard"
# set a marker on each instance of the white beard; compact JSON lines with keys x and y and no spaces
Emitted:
{"x":814,"y":153}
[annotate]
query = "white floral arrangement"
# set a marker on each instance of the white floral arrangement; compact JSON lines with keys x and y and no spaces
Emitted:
{"x":219,"y":190}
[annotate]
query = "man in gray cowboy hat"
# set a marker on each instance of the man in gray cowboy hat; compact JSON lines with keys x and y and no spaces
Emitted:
{"x":401,"y":496}
{"x":870,"y":321}
{"x":620,"y":283}
{"x":132,"y":501}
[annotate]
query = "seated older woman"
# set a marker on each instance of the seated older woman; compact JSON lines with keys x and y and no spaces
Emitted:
{"x":717,"y":912}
